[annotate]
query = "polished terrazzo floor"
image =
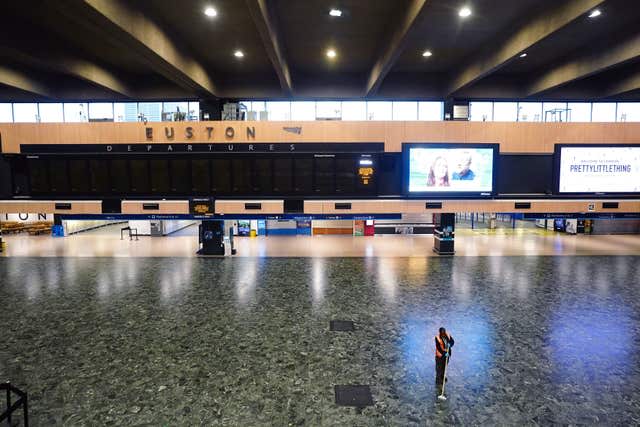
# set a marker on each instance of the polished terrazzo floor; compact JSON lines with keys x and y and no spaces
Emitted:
{"x":246,"y":341}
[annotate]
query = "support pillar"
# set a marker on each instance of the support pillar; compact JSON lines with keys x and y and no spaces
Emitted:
{"x":444,"y":233}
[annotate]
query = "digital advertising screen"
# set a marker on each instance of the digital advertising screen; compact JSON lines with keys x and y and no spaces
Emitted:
{"x":447,"y":169}
{"x":599,"y":169}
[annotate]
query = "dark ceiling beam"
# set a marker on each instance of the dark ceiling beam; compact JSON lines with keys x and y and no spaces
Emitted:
{"x":626,"y":84}
{"x":393,"y":50}
{"x":267,"y":26}
{"x":581,"y":66}
{"x":19,"y":80}
{"x":75,"y":67}
{"x":536,"y":30}
{"x":117,"y":20}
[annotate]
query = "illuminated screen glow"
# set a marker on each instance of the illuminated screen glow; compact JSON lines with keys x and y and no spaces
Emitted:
{"x":599,"y":170}
{"x":450,"y":170}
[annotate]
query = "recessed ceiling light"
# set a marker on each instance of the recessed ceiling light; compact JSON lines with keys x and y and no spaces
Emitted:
{"x":210,"y":12}
{"x":523,"y":55}
{"x":464,"y":12}
{"x":595,"y":13}
{"x":427,"y":53}
{"x":335,"y":12}
{"x":238,"y":54}
{"x":331,"y":53}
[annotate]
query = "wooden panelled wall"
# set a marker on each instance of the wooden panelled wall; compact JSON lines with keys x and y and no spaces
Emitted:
{"x":327,"y":207}
{"x":512,"y":137}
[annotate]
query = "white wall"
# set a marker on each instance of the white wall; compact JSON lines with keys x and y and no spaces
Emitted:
{"x":170,"y":226}
{"x":144,"y":227}
{"x":71,"y":226}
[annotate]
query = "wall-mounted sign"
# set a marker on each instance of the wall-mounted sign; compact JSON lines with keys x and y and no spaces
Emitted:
{"x":365,"y":173}
{"x":206,"y":132}
{"x":201,"y":207}
{"x":218,"y":147}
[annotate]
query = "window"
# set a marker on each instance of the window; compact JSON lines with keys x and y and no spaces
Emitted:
{"x":405,"y":111}
{"x":379,"y":110}
{"x":75,"y":112}
{"x":125,"y":111}
{"x":579,"y":111}
{"x":481,"y":111}
{"x":194,"y":111}
{"x":25,"y":113}
{"x":354,"y":110}
{"x":329,"y":110}
{"x":431,"y":111}
{"x":174,"y":111}
{"x":555,"y":112}
{"x":279,"y":110}
{"x":152,"y":111}
{"x":6,"y":113}
{"x":101,"y":112}
{"x":301,"y":110}
{"x":51,"y":113}
{"x":529,"y":111}
{"x":603,"y":112}
{"x":505,"y":111}
{"x":629,"y":112}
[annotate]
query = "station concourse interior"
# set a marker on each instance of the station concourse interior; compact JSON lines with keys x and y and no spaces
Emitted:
{"x":264,"y":212}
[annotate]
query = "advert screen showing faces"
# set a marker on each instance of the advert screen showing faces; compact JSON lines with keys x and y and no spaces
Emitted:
{"x":450,"y":170}
{"x":599,"y":170}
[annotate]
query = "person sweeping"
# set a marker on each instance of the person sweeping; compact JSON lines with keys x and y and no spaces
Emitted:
{"x":444,"y":342}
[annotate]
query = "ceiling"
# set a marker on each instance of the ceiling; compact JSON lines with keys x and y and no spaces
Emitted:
{"x":160,"y":49}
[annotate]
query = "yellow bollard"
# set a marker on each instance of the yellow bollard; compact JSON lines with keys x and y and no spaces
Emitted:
{"x":252,"y":233}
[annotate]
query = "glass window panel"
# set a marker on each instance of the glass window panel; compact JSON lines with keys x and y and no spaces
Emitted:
{"x":555,"y":111}
{"x":629,"y":112}
{"x":51,"y":112}
{"x":328,"y":110}
{"x":505,"y":111}
{"x":354,"y":110}
{"x":279,"y":110}
{"x":302,"y":110}
{"x":152,"y":111}
{"x":603,"y":112}
{"x":25,"y":113}
{"x":194,"y":111}
{"x":101,"y":111}
{"x":379,"y":110}
{"x":75,"y":112}
{"x":6,"y":113}
{"x":481,"y":111}
{"x":579,"y":111}
{"x":431,"y":111}
{"x":405,"y":110}
{"x":258,"y":106}
{"x":175,"y":111}
{"x":125,"y":111}
{"x":529,"y":111}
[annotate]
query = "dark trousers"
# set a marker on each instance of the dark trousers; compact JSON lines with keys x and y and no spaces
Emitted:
{"x":440,"y":365}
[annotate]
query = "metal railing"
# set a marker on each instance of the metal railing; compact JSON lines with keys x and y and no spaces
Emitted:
{"x":11,"y":408}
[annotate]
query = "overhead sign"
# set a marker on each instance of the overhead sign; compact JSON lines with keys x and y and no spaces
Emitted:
{"x":218,"y":147}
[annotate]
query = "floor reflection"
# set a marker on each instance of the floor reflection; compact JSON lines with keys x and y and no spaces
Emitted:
{"x":245,"y":341}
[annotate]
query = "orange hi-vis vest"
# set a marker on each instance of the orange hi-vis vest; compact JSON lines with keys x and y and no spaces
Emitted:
{"x":441,"y":342}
